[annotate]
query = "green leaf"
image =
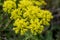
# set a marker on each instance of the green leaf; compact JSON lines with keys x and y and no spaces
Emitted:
{"x":49,"y":35}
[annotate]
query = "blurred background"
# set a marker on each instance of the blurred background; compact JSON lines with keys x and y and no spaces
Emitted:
{"x":51,"y":33}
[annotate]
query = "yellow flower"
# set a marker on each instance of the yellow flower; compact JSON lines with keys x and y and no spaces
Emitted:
{"x":11,"y":0}
{"x":21,"y":25}
{"x":28,"y":16}
{"x":16,"y":14}
{"x":8,"y":6}
{"x":24,"y":3}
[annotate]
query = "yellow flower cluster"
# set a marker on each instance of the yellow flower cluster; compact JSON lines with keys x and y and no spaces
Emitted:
{"x":11,"y":0}
{"x":21,"y":26}
{"x":28,"y":16}
{"x":15,"y":14}
{"x":9,"y":6}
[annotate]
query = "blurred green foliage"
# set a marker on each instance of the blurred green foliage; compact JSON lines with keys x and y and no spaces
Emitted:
{"x":52,"y":33}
